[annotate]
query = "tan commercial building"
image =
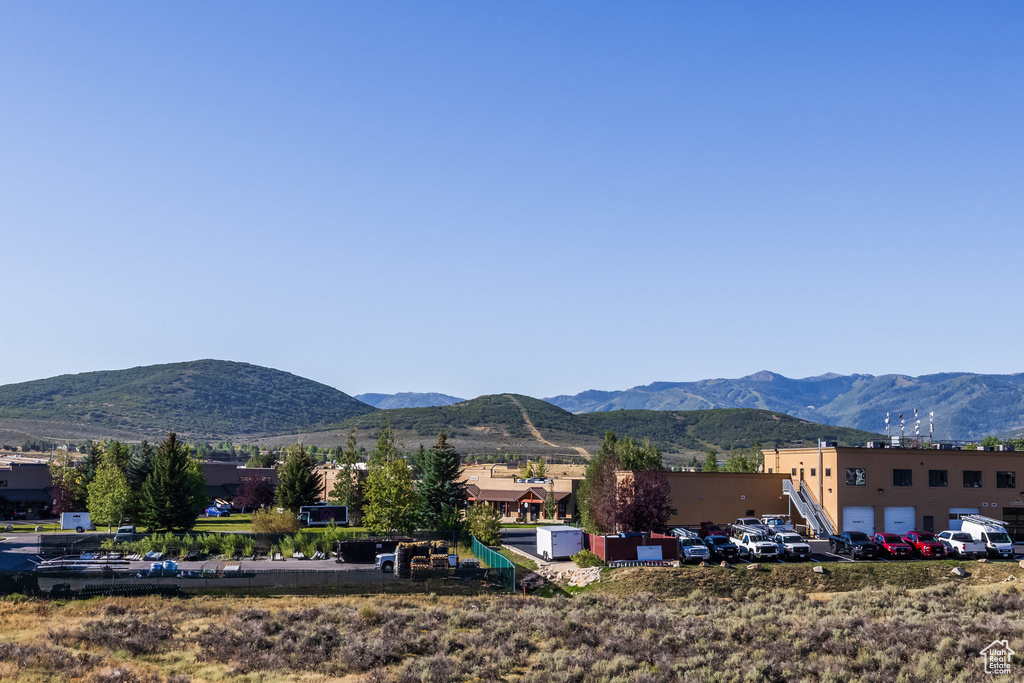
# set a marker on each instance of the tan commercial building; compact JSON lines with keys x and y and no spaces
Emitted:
{"x":721,"y":497}
{"x":902,"y":489}
{"x":519,"y":499}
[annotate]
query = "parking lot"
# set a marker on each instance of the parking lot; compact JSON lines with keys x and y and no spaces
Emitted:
{"x":526,"y":541}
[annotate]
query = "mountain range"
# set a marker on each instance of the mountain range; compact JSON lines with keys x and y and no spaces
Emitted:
{"x":966,"y":405}
{"x":212,"y":400}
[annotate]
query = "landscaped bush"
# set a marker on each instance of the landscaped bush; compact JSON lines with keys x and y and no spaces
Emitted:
{"x":269,"y":521}
{"x":586,"y":558}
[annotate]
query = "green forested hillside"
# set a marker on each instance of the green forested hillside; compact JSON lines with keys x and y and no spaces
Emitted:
{"x":205,"y":398}
{"x":692,"y":430}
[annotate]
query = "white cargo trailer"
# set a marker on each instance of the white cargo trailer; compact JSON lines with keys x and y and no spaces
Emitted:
{"x":558,"y":542}
{"x":79,"y":521}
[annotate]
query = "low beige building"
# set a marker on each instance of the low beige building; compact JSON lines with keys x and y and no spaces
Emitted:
{"x":517,"y":499}
{"x":722,"y":497}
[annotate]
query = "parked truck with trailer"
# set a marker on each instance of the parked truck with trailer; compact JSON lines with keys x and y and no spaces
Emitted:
{"x":991,"y":532}
{"x":558,"y":542}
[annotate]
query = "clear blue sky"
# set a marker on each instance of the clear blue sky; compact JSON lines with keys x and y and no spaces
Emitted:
{"x":535,"y":197}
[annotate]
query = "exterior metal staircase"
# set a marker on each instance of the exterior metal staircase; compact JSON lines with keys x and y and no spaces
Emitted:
{"x":809,"y":509}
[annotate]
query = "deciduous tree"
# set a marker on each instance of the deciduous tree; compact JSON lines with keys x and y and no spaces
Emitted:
{"x":67,"y":486}
{"x":253,"y":494}
{"x":391,"y":504}
{"x":484,"y":523}
{"x":348,"y":487}
{"x":109,"y":495}
{"x":643,"y":501}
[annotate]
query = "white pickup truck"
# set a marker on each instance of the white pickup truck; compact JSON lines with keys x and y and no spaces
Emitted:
{"x":792,"y":546}
{"x":962,"y":544}
{"x":753,"y":543}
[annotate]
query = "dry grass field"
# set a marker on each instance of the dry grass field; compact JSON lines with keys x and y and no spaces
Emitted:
{"x":755,"y":634}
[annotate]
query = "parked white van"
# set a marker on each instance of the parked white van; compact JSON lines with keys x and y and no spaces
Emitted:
{"x":991,"y":532}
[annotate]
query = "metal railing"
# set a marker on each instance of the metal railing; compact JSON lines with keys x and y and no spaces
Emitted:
{"x":496,"y":561}
{"x":809,"y":509}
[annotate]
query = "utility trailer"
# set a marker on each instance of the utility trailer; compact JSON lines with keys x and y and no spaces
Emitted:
{"x":558,"y":542}
{"x":79,"y":521}
{"x":323,"y":515}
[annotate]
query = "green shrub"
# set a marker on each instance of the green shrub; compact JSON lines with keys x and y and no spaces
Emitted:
{"x":585,"y":558}
{"x":269,"y":521}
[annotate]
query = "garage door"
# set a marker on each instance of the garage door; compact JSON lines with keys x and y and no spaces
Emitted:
{"x":954,"y":517}
{"x":859,"y":519}
{"x":900,"y":520}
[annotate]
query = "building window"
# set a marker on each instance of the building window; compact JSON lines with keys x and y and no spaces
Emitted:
{"x":813,"y":472}
{"x":856,"y":476}
{"x":972,"y":479}
{"x":1006,"y":480}
{"x":794,"y":471}
{"x":3,"y":483}
{"x":673,"y":512}
{"x":903,"y":477}
{"x":828,"y":471}
{"x":938,"y":478}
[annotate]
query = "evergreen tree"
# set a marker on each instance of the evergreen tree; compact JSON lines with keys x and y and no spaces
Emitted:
{"x":298,"y":483}
{"x":348,"y":487}
{"x":174,"y":493}
{"x":710,"y":461}
{"x":550,"y":506}
{"x":109,"y":494}
{"x":391,"y":503}
{"x":87,"y":467}
{"x":596,"y":496}
{"x":119,"y":454}
{"x":441,"y":492}
{"x":140,"y":466}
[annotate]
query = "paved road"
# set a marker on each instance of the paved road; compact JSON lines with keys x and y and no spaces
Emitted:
{"x":18,"y":551}
{"x":522,"y":539}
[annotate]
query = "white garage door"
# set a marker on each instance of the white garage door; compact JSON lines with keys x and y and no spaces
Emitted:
{"x":859,"y":519}
{"x":954,"y":517}
{"x":900,"y":520}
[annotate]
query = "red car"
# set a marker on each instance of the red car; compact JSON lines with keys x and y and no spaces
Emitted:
{"x":893,"y":546}
{"x":710,"y":529}
{"x":925,"y":545}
